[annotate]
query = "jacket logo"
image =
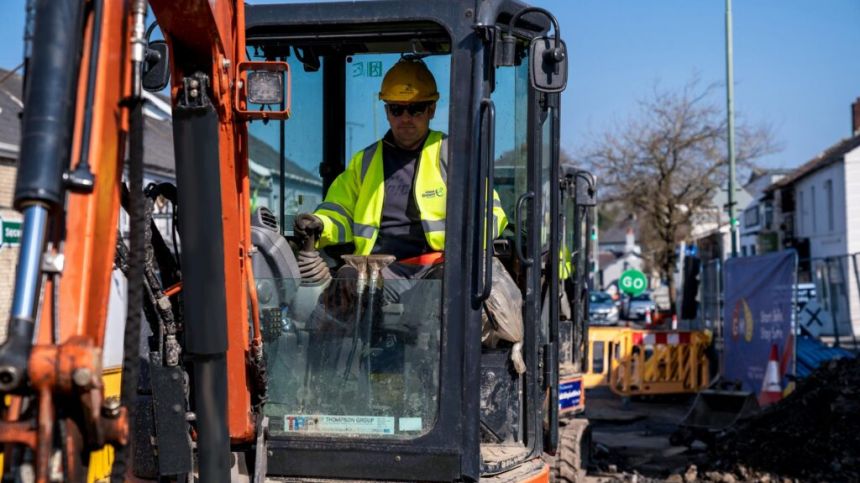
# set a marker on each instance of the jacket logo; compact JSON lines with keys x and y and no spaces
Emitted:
{"x":437,"y":193}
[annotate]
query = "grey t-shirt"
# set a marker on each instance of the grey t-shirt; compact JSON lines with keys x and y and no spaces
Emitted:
{"x":400,"y":231}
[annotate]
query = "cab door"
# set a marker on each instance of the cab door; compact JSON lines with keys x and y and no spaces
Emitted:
{"x":525,"y":167}
{"x":526,"y":135}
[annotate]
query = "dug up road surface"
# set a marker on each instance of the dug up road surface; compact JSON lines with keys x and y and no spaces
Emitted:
{"x":812,"y":435}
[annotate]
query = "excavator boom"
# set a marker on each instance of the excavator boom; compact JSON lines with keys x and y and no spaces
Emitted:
{"x":82,"y":104}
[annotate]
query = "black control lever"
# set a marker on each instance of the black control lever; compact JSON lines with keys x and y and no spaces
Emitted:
{"x":312,"y":267}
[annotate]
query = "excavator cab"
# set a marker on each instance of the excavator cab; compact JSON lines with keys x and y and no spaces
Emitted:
{"x":400,"y":386}
{"x":305,"y":375}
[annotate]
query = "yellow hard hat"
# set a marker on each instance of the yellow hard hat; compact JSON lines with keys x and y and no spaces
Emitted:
{"x":408,"y":81}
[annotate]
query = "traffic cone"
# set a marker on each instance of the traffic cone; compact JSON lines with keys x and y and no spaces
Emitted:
{"x":771,"y":389}
{"x":648,"y":316}
{"x":674,"y":321}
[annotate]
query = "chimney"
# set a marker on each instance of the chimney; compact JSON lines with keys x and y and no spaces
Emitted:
{"x":629,"y":241}
{"x":855,"y":117}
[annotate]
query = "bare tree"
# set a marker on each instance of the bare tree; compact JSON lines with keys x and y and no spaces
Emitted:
{"x":666,"y":163}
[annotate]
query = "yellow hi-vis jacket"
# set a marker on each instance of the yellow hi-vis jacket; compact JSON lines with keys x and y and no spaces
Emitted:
{"x":352,"y":209}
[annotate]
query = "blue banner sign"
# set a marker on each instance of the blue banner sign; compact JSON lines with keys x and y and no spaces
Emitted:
{"x":758,"y":315}
{"x":569,"y":394}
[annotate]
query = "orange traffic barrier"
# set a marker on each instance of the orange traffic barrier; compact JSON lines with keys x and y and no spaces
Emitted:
{"x":647,"y":362}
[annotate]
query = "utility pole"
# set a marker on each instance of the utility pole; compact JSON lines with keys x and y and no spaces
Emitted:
{"x":730,"y":107}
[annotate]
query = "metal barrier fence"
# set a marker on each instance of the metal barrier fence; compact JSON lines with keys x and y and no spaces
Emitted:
{"x":711,"y":295}
{"x":836,"y":280}
{"x":636,"y":362}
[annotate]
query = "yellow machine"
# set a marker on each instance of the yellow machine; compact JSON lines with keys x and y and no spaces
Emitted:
{"x":638,"y":362}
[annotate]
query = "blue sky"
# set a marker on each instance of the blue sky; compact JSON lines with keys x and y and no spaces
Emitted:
{"x":796,"y":64}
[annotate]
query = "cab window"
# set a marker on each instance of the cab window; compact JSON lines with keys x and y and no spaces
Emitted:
{"x":511,"y":164}
{"x":284,"y":156}
{"x":365,"y":113}
{"x":342,"y":363}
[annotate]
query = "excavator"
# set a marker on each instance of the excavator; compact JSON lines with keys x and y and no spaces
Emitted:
{"x":243,"y":358}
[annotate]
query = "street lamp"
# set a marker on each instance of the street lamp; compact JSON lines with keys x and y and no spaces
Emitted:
{"x":733,"y":223}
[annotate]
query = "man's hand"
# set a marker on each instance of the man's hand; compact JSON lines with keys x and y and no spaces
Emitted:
{"x":308,"y":225}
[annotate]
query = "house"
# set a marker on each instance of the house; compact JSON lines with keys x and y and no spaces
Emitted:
{"x":10,"y":105}
{"x":158,"y":168}
{"x":757,"y":216}
{"x":618,"y":250}
{"x":816,"y":212}
{"x":710,"y":230}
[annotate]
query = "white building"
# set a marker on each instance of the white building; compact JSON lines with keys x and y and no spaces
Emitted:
{"x":819,"y":215}
{"x":757,"y":216}
{"x":618,"y":251}
{"x":710,"y":231}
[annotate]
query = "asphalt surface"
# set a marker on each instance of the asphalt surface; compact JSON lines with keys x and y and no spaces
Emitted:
{"x":632,"y":437}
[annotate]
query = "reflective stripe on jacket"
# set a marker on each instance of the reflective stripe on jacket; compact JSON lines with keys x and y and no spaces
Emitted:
{"x":352,"y":209}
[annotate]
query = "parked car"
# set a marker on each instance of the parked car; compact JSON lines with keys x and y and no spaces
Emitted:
{"x":638,"y":305}
{"x":601,"y":309}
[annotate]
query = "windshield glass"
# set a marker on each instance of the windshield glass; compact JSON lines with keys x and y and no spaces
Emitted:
{"x":510,"y":98}
{"x":284,"y":172}
{"x":645,"y":297}
{"x":599,"y":298}
{"x":350,"y":366}
{"x":365,"y":113}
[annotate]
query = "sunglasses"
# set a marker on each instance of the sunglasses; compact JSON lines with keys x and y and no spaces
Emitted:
{"x":415,"y":109}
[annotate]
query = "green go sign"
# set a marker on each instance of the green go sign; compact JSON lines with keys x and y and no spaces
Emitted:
{"x":633,"y":282}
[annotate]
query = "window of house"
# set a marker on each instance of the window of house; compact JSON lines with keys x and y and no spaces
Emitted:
{"x":812,"y":210}
{"x":800,"y":218}
{"x":751,"y":217}
{"x":752,"y":250}
{"x":828,"y":194}
{"x":768,"y":214}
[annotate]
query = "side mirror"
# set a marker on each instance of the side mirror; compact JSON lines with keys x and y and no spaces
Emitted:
{"x":548,"y":69}
{"x":156,"y":70}
{"x":586,"y":189}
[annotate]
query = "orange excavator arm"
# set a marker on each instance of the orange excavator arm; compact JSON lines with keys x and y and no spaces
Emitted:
{"x":82,"y":105}
{"x":209,"y":37}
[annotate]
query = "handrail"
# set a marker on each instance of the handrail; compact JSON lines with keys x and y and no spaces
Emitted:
{"x":485,"y":205}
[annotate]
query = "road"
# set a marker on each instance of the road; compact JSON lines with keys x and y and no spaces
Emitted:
{"x":632,"y":443}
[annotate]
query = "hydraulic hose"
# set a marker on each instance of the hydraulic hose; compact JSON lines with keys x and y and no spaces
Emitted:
{"x":131,"y":340}
{"x":136,"y":256}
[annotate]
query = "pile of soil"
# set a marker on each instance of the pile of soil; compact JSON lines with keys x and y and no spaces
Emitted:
{"x":813,"y":434}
